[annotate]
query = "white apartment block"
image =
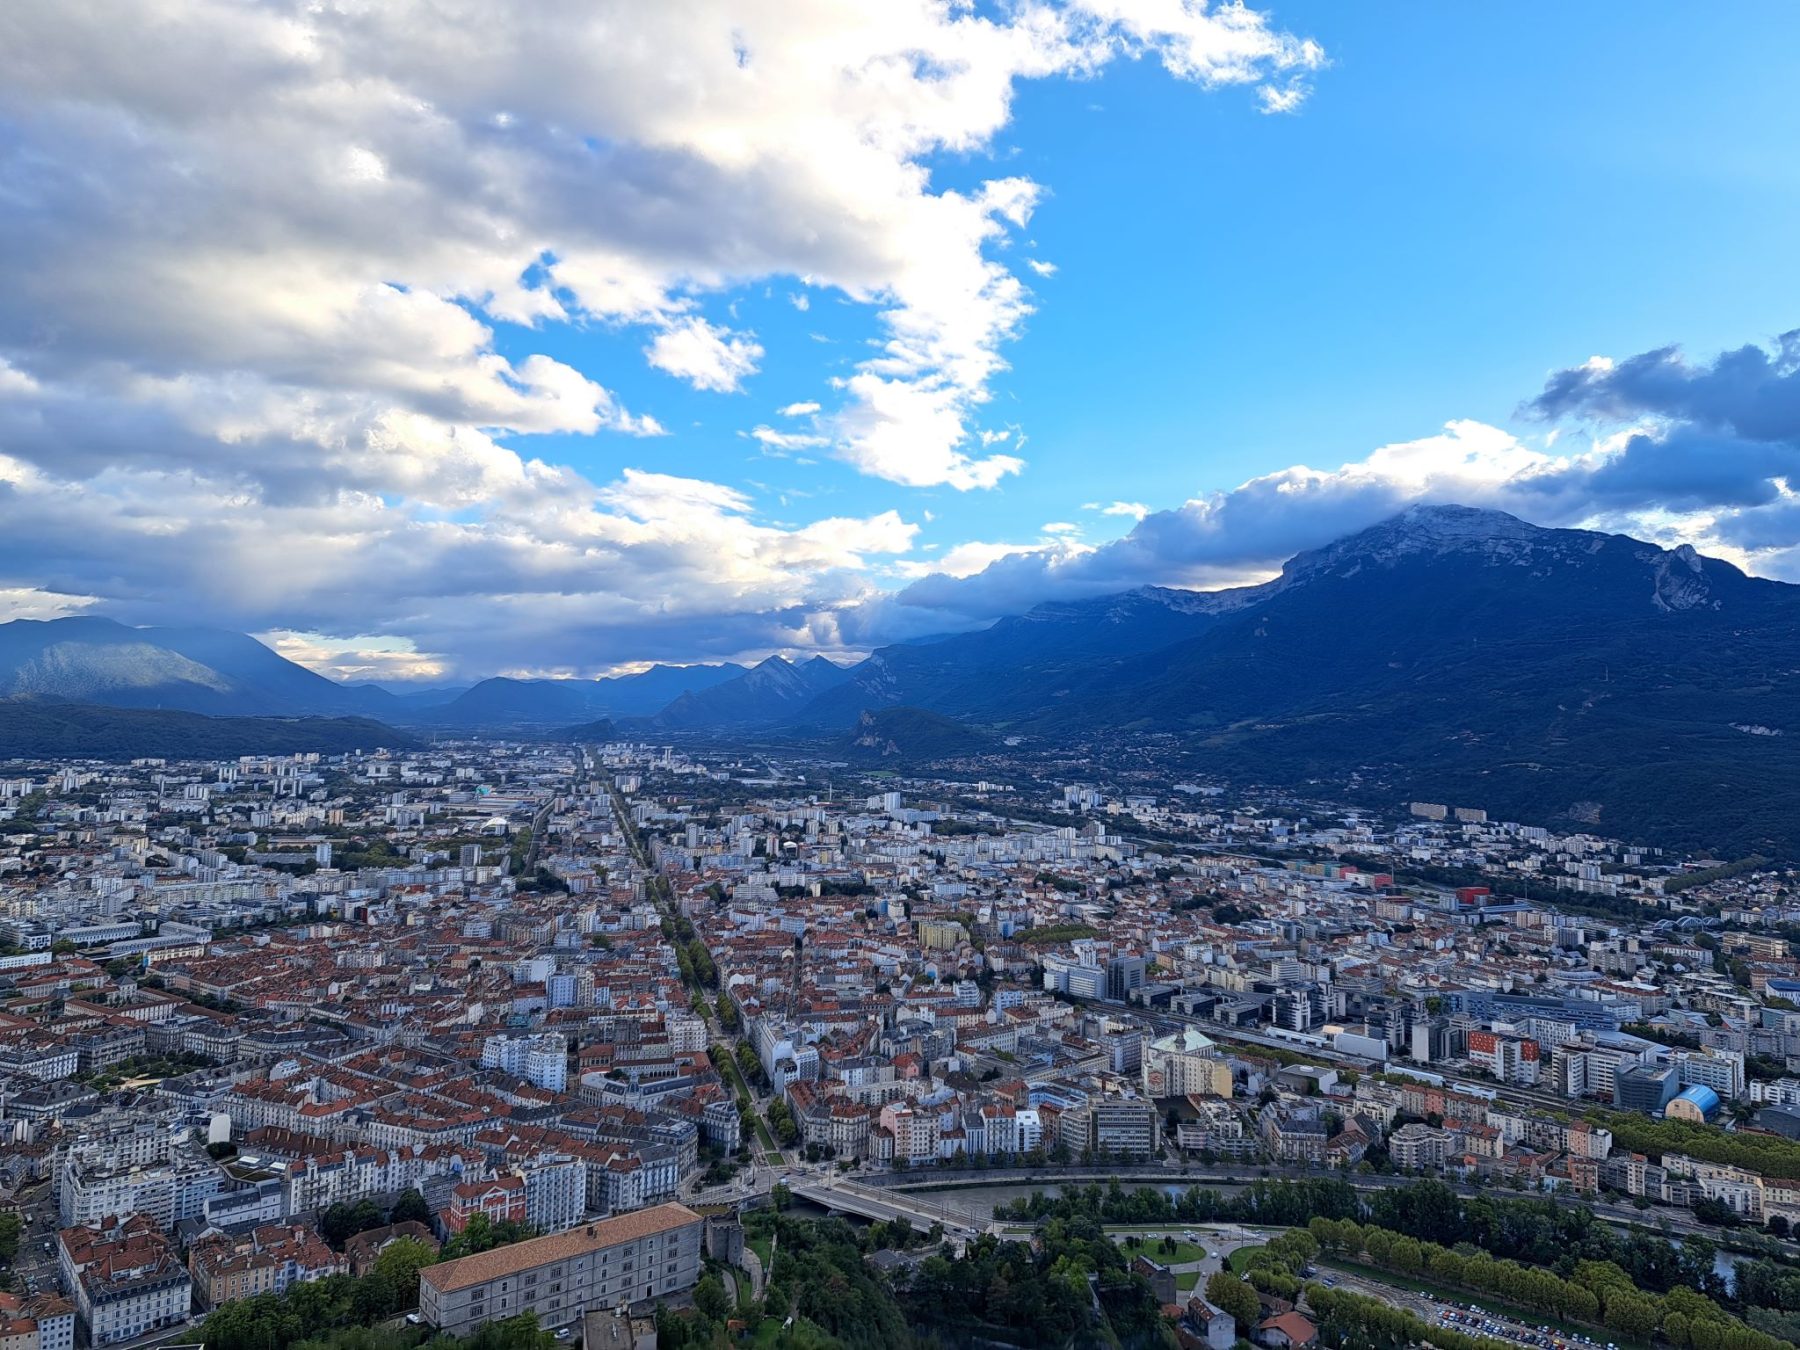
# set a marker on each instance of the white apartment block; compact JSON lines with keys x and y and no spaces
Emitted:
{"x":316,"y":1182}
{"x":1720,"y":1070}
{"x":555,"y":1193}
{"x":542,"y":1060}
{"x":1417,"y":1146}
{"x":686,"y":1033}
{"x":1781,"y":1092}
{"x":168,"y":1192}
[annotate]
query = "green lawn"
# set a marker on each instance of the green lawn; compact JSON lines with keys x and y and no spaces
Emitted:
{"x":1238,"y":1259}
{"x":1187,"y":1281}
{"x":1184,"y":1252}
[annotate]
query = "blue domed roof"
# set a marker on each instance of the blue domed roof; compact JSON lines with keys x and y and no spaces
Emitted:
{"x":1702,"y":1097}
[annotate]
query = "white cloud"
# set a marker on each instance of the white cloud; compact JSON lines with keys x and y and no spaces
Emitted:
{"x":28,"y":602}
{"x":327,"y":178}
{"x":706,"y":357}
{"x":274,"y":245}
{"x":1136,"y":510}
{"x":973,"y":557}
{"x":1285,"y":98}
{"x":15,"y":381}
{"x":797,"y":410}
{"x":909,"y":432}
{"x":1683,"y":482}
{"x":1223,"y":44}
{"x":358,"y":658}
{"x":786,"y":441}
{"x":557,"y":574}
{"x":1042,"y":268}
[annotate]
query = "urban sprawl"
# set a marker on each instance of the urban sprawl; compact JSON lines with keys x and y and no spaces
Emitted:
{"x":565,"y":1016}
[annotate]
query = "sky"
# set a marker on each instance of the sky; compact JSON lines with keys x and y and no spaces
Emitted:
{"x":432,"y":339}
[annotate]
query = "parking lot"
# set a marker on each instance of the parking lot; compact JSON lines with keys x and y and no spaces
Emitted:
{"x":1476,"y":1321}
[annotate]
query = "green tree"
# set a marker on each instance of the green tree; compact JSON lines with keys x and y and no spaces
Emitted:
{"x":411,"y":1206}
{"x":344,"y":1221}
{"x":711,"y":1299}
{"x":1227,"y":1291}
{"x":483,"y":1235}
{"x":1634,"y":1314}
{"x":398,"y":1269}
{"x":728,"y":1013}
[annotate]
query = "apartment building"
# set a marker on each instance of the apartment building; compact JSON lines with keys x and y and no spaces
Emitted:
{"x":42,"y":1322}
{"x":914,"y":1132}
{"x":1720,"y":1070}
{"x":1185,"y":1064}
{"x":1415,"y":1146}
{"x":317,"y":1181}
{"x":555,"y":1192}
{"x":1218,"y":1129}
{"x":1510,"y":1058}
{"x":1293,"y":1136}
{"x":126,"y":1278}
{"x":267,"y":1260}
{"x":542,"y":1059}
{"x":167,"y":1191}
{"x":499,"y":1200}
{"x":633,"y":1258}
{"x":1122,"y":1128}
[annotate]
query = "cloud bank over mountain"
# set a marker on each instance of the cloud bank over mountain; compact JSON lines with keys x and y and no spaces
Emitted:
{"x":1707,"y":453}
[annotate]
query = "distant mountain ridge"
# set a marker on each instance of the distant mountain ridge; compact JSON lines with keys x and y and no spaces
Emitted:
{"x":35,"y":728}
{"x":977,"y":673}
{"x":1054,"y":662}
{"x":911,"y":735}
{"x":768,"y":693}
{"x":1451,"y":653}
{"x":505,"y":701}
{"x":96,"y":660}
{"x":1560,"y":676}
{"x":100,"y":662}
{"x":1551,"y":675}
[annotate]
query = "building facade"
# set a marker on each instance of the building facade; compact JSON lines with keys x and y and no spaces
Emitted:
{"x":631,"y":1259}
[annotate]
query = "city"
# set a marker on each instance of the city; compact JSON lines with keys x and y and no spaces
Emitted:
{"x":899,"y":675}
{"x":255,"y":1011}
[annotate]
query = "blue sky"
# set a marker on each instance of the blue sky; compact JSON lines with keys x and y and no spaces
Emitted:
{"x":430,"y":350}
{"x":1469,"y":199}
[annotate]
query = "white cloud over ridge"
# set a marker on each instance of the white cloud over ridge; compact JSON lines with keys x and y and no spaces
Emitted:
{"x":1703,"y":453}
{"x":253,"y":260}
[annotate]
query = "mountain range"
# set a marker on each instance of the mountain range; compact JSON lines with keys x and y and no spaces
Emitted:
{"x":772,"y":691}
{"x":509,"y":702}
{"x":205,"y":670}
{"x":90,"y":660}
{"x":1548,"y":675}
